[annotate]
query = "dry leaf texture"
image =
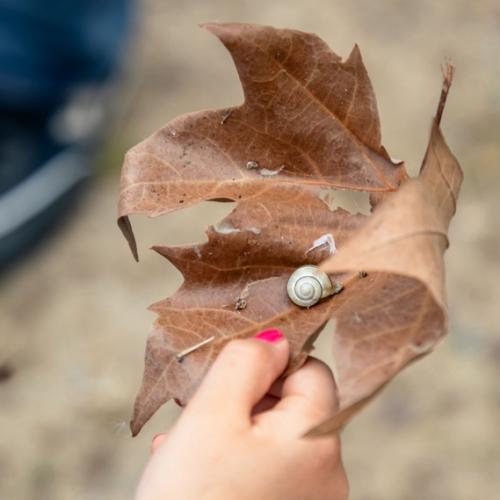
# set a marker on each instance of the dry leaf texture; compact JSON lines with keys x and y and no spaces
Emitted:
{"x":309,"y":122}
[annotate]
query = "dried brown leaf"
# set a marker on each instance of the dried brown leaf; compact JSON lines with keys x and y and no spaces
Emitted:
{"x":308,"y":118}
{"x":406,"y":238}
{"x":309,"y":122}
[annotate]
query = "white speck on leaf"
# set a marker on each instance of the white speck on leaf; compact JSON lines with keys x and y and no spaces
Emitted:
{"x":326,"y":239}
{"x":251,"y":164}
{"x":225,"y":227}
{"x":267,"y":172}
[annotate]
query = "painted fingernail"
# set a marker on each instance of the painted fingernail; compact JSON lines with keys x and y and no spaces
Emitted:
{"x":272,"y":335}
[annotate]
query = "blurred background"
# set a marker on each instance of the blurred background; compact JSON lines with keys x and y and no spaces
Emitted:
{"x":73,"y":314}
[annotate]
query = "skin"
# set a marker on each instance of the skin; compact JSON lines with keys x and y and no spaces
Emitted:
{"x":240,"y":437}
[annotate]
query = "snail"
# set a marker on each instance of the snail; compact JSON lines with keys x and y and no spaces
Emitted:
{"x":307,"y":285}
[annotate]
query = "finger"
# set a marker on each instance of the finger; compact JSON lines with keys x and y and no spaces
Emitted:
{"x":241,"y":376}
{"x":309,"y":395}
{"x":268,"y":402}
{"x":157,"y":440}
{"x":270,"y":399}
{"x":276,"y":388}
{"x":311,"y":388}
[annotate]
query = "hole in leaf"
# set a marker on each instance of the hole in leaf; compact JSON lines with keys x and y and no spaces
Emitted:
{"x":352,"y":201}
{"x":183,"y":227}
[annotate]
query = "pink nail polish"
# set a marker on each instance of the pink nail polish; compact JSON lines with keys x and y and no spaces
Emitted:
{"x":272,"y":335}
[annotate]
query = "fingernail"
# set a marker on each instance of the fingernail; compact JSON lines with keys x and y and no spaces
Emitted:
{"x":272,"y":335}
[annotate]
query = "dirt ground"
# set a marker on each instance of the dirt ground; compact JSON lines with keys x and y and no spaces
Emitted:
{"x":73,"y":318}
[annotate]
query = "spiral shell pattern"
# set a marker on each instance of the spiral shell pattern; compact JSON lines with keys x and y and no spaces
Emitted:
{"x":307,"y":285}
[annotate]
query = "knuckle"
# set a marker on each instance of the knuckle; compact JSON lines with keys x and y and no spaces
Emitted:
{"x":322,"y":369}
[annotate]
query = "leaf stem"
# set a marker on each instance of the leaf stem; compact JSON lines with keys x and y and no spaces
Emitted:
{"x":445,"y":89}
{"x":189,"y":350}
{"x":447,"y":79}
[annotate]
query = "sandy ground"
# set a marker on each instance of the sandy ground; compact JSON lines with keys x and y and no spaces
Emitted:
{"x":73,"y":318}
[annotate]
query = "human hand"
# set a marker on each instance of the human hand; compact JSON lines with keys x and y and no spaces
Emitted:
{"x":225,"y":447}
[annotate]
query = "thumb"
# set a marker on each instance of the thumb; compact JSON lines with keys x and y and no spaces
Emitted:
{"x":241,"y":376}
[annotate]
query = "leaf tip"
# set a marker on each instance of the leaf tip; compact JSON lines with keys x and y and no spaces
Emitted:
{"x":355,"y":55}
{"x":134,"y":428}
{"x":212,"y":27}
{"x":448,"y":75}
{"x":321,"y":430}
{"x":126,"y":229}
{"x":161,"y":250}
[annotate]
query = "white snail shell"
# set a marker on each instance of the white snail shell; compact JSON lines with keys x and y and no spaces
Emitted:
{"x":308,"y":285}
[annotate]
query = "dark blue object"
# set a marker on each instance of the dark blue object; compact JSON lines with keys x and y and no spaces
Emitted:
{"x":56,"y":58}
{"x":49,"y":46}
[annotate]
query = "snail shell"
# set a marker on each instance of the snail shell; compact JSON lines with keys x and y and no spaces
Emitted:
{"x":308,"y":285}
